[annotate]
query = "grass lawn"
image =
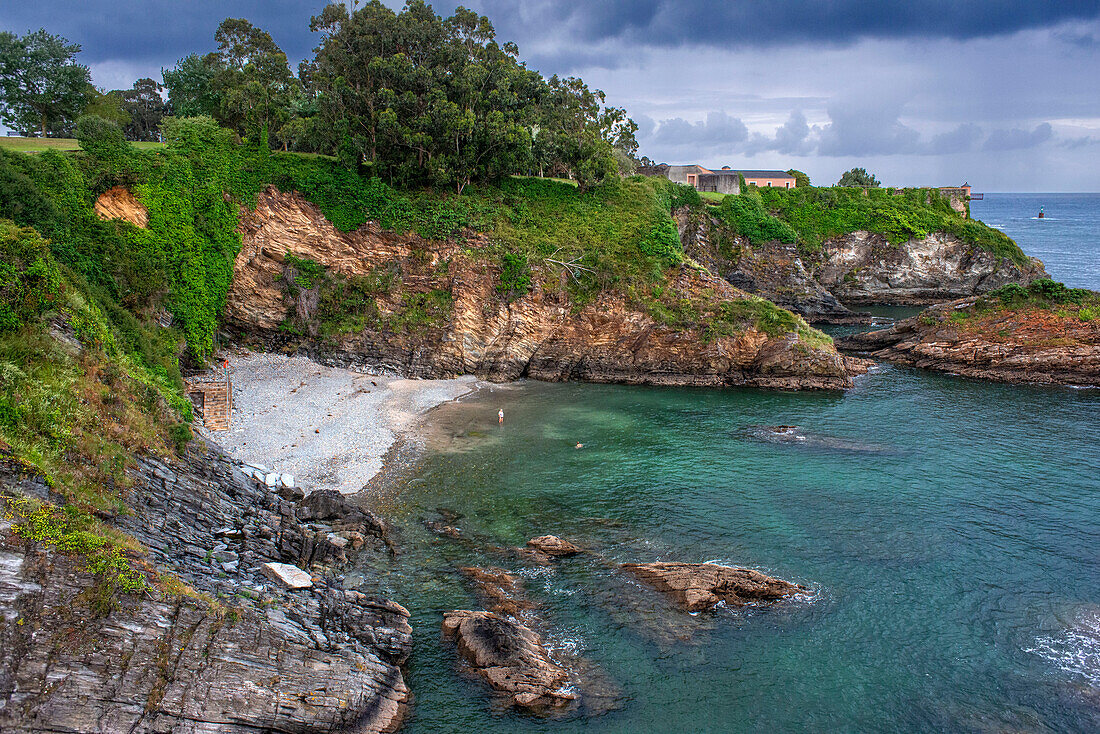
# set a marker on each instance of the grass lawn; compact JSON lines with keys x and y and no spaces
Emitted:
{"x":569,"y":181}
{"x":712,"y":196}
{"x":36,"y":145}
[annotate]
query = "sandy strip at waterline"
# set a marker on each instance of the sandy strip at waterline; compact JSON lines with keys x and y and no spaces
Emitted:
{"x":327,"y":426}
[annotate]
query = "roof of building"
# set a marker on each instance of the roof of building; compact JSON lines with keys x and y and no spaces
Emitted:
{"x":766,"y":174}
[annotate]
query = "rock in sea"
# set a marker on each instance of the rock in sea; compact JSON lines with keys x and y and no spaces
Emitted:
{"x":552,"y":545}
{"x":510,"y":657}
{"x":700,"y":586}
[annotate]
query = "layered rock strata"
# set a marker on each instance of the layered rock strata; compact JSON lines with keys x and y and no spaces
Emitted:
{"x":321,"y":659}
{"x":538,"y":335}
{"x":1026,"y":346}
{"x":701,"y":586}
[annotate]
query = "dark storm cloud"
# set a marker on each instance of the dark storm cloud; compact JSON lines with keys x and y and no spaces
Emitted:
{"x":169,"y":29}
{"x":160,"y":31}
{"x":767,"y":22}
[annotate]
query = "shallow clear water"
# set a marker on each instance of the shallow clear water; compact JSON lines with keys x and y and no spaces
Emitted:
{"x":949,"y":530}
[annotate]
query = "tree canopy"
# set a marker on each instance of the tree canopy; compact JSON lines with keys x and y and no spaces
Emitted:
{"x":858,"y":177}
{"x":417,"y":98}
{"x":801,"y":180}
{"x":42,"y":88}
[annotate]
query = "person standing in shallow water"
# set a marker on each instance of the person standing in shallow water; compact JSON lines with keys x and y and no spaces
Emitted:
{"x":500,"y":416}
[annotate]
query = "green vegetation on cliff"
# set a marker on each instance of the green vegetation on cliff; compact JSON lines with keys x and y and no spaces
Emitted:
{"x":809,"y":216}
{"x":619,"y":235}
{"x":76,"y":404}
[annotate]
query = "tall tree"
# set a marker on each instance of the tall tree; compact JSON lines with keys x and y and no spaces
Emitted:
{"x":41,"y":85}
{"x":190,"y":87}
{"x":144,"y":107}
{"x":252,"y":78}
{"x":858,"y":177}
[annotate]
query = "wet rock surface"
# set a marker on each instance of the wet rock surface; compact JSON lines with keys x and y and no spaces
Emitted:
{"x":238,"y":655}
{"x":701,"y":586}
{"x":511,"y":657}
{"x":1026,"y":346}
{"x":552,"y":545}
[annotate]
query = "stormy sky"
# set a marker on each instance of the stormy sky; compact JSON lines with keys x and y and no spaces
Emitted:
{"x":1004,"y":94}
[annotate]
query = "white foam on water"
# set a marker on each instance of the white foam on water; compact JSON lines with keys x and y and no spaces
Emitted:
{"x":1075,"y":650}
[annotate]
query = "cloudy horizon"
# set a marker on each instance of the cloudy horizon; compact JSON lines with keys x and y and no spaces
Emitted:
{"x":1004,"y":95}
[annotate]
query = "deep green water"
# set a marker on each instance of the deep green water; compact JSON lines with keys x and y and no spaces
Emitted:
{"x":949,"y":530}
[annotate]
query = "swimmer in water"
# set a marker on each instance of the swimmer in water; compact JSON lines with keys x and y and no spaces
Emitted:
{"x":580,"y":445}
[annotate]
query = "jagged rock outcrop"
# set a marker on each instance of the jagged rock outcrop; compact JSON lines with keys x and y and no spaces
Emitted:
{"x":538,"y":335}
{"x":322,"y":659}
{"x":701,"y":586}
{"x":1007,"y":345}
{"x":511,"y":657}
{"x":863,"y":268}
{"x":118,"y":202}
{"x":859,"y":268}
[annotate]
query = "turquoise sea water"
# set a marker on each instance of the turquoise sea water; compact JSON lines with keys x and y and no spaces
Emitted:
{"x":948,"y":530}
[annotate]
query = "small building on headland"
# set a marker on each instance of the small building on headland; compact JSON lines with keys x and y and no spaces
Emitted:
{"x":727,"y":180}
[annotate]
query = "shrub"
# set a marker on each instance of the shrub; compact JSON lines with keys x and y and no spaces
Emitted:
{"x":103,"y":139}
{"x":30,"y":282}
{"x":515,"y":275}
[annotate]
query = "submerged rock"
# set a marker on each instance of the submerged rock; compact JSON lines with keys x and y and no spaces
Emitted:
{"x":552,"y":545}
{"x":501,"y":591}
{"x":701,"y":586}
{"x":511,"y":657}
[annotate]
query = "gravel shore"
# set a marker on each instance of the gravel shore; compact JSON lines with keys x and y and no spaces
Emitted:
{"x":327,"y":426}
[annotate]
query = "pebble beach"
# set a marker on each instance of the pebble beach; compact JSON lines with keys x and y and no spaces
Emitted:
{"x":328,"y":427}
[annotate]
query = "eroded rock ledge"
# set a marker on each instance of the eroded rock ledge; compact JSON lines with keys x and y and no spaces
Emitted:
{"x":1030,"y":346}
{"x":537,"y":336}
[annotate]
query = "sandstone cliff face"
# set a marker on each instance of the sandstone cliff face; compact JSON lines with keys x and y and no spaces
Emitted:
{"x":118,"y":202}
{"x":318,"y":660}
{"x":1032,"y":345}
{"x":859,"y":268}
{"x":536,"y":336}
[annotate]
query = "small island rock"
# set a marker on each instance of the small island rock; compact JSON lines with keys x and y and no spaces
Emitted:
{"x":511,"y":657}
{"x":701,"y":586}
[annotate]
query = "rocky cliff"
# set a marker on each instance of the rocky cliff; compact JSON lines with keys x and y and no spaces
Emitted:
{"x":237,"y":654}
{"x":858,"y":268}
{"x":430,"y":309}
{"x":1033,"y":345}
